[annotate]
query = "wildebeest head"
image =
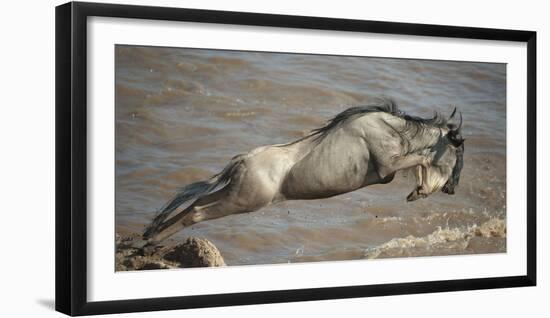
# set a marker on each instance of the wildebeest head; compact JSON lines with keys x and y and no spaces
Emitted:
{"x":446,"y":162}
{"x":456,"y":143}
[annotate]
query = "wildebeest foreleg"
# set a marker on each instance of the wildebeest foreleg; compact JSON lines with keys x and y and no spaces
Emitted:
{"x":421,"y":175}
{"x":397,"y":163}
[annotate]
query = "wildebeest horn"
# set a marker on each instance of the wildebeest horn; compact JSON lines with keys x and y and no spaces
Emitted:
{"x":460,"y":124}
{"x":452,"y":114}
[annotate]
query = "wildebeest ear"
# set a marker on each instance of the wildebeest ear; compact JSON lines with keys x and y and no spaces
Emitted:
{"x":454,"y":126}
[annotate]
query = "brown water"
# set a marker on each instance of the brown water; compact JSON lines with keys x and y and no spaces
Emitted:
{"x":181,"y":114}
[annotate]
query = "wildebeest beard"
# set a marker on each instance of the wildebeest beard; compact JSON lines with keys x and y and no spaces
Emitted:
{"x":449,"y":187}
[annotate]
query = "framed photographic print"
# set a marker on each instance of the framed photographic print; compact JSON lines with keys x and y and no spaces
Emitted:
{"x":208,"y":158}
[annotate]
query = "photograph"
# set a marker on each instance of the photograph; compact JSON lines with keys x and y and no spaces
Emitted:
{"x":252,"y":159}
{"x":233,"y":158}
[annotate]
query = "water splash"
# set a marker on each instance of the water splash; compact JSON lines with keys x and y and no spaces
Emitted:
{"x":457,"y":239}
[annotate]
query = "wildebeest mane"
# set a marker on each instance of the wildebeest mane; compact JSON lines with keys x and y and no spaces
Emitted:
{"x":413,"y":123}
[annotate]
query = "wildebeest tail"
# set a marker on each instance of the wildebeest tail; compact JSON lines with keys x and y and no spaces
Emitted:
{"x":191,"y":193}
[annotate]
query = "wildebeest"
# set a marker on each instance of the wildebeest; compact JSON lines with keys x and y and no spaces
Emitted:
{"x":358,"y":147}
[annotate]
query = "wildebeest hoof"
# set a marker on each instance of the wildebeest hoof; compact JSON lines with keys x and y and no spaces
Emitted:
{"x":412,"y":196}
{"x":149,"y":250}
{"x":415,"y":195}
{"x":139,"y":244}
{"x":447,"y":189}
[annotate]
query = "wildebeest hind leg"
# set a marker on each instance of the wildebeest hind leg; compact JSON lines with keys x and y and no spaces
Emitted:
{"x":211,"y":206}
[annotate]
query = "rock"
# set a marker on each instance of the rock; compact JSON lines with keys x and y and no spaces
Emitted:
{"x":146,"y":262}
{"x":196,"y":252}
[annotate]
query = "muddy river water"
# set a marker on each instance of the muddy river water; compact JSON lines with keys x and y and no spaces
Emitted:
{"x":181,"y":114}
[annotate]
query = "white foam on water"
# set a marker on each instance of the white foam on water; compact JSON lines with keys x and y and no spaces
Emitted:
{"x":457,"y":239}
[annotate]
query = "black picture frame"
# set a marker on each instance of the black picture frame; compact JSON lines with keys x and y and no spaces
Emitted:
{"x":71,"y":157}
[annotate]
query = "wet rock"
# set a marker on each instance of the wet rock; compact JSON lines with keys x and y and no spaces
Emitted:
{"x":147,"y":262}
{"x":196,"y":252}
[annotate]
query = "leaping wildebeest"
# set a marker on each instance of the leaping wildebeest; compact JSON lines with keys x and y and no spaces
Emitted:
{"x":358,"y":147}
